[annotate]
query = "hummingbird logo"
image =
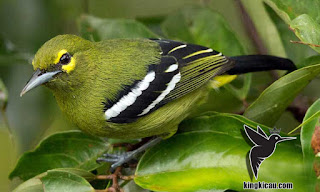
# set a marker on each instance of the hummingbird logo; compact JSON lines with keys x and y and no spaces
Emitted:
{"x":264,"y":146}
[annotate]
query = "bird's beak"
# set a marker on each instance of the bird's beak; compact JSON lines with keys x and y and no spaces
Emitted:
{"x":286,"y":139}
{"x":38,"y":78}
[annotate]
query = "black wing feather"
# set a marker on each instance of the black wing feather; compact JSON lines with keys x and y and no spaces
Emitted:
{"x":196,"y":66}
{"x":254,"y":136}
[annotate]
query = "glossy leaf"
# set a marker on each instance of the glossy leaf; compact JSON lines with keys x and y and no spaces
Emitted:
{"x":65,"y":181}
{"x":272,"y":102}
{"x":31,"y":185}
{"x":36,"y":183}
{"x":204,"y":27}
{"x":210,"y":153}
{"x":97,"y":29}
{"x":72,"y":149}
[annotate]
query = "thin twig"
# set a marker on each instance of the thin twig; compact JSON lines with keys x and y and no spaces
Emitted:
{"x":126,"y":177}
{"x":104,"y":177}
{"x":304,"y":43}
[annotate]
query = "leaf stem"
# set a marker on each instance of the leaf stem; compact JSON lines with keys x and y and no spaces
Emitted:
{"x":317,"y":114}
{"x":304,"y":43}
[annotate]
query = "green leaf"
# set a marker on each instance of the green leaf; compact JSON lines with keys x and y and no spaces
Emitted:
{"x":303,"y":18}
{"x":72,"y":149}
{"x":80,"y":172}
{"x":31,"y":185}
{"x":296,"y":53}
{"x":307,"y":131}
{"x":65,"y":181}
{"x":241,"y":93}
{"x":272,"y":102}
{"x":36,"y":183}
{"x":313,"y":60}
{"x":307,"y":30}
{"x":210,"y":153}
{"x":289,"y":10}
{"x":204,"y":27}
{"x":97,"y":29}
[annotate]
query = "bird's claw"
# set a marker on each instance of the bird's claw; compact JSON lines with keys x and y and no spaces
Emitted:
{"x":116,"y":160}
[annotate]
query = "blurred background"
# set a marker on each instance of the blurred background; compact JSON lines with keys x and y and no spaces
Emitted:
{"x":26,"y":25}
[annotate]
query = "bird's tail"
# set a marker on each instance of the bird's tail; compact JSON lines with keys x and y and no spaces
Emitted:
{"x":254,"y":63}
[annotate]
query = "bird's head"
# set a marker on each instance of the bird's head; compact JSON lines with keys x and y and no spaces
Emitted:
{"x":275,"y":138}
{"x":58,"y":62}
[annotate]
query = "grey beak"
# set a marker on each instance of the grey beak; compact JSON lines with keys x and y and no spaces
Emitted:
{"x":37,"y":79}
{"x":286,"y":139}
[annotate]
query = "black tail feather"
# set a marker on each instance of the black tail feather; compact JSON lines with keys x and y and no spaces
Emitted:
{"x":254,"y":63}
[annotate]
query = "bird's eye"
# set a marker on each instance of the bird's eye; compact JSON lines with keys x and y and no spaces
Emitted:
{"x":276,"y":138}
{"x":65,"y":59}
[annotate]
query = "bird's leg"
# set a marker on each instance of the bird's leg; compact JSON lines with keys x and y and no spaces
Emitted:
{"x":119,"y":159}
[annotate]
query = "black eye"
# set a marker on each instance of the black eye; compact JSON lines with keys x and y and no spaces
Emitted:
{"x":65,"y":58}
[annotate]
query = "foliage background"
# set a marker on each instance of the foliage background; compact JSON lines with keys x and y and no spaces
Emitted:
{"x":26,"y":25}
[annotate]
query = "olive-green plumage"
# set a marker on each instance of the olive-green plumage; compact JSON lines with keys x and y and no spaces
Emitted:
{"x":101,"y":70}
{"x":126,"y":88}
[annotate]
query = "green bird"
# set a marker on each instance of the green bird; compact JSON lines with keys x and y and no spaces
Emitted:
{"x":134,"y":88}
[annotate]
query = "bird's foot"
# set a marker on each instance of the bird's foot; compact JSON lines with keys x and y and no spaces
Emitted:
{"x":120,"y":159}
{"x":116,"y":160}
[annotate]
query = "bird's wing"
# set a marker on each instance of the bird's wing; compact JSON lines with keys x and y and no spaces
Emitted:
{"x":262,"y":132}
{"x":255,"y":162}
{"x":254,"y":136}
{"x":197,"y":65}
{"x":182,"y":68}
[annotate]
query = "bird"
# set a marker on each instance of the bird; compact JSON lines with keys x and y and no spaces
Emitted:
{"x":264,"y":146}
{"x":134,"y":88}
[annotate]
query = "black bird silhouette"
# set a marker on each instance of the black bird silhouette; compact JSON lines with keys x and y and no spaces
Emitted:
{"x":264,"y":146}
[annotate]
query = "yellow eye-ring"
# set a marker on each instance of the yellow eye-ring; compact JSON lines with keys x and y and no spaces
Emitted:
{"x":67,"y":61}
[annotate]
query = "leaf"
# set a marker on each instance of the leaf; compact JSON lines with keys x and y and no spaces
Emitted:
{"x":72,"y":149}
{"x":307,"y":131}
{"x":272,"y":102}
{"x":35,"y":184}
{"x":80,"y":172}
{"x":204,"y":27}
{"x":210,"y":153}
{"x":296,"y":53}
{"x":65,"y":181}
{"x":313,"y":60}
{"x":289,"y":10}
{"x":303,"y":18}
{"x":307,"y":30}
{"x":241,"y":93}
{"x":31,"y":185}
{"x":97,"y":29}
